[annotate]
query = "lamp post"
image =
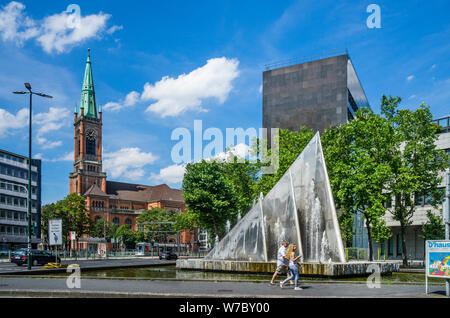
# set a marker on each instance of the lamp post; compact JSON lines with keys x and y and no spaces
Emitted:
{"x":28,"y":87}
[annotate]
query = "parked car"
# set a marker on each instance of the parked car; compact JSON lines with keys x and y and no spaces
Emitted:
{"x":168,"y":255}
{"x":38,"y":257}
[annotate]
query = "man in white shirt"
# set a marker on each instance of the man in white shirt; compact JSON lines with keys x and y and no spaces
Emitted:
{"x":282,"y":261}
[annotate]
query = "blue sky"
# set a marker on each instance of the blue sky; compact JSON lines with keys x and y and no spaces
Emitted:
{"x":140,"y":51}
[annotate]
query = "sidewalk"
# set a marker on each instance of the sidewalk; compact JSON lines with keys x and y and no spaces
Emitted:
{"x":45,"y":287}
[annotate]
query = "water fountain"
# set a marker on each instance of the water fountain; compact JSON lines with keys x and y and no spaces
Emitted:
{"x":299,"y":208}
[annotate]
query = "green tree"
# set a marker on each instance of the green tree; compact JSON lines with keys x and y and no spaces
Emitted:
{"x":416,"y":163}
{"x":156,"y":223}
{"x":357,"y":156}
{"x":434,"y":229}
{"x":72,"y":211}
{"x":290,"y":145}
{"x":127,"y":236}
{"x":185,"y":222}
{"x":209,"y":196}
{"x":100,"y":229}
{"x":74,"y":206}
{"x":50,"y":212}
{"x":243,"y":176}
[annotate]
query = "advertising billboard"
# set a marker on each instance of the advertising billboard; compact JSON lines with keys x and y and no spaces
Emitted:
{"x":438,"y":259}
{"x":55,"y":232}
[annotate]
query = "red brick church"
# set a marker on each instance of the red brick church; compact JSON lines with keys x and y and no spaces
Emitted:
{"x":117,"y":202}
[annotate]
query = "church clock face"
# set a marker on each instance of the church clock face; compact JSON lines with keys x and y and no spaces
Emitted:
{"x":90,"y":134}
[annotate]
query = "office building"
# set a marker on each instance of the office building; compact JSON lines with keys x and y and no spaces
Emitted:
{"x":13,"y":201}
{"x":318,"y":94}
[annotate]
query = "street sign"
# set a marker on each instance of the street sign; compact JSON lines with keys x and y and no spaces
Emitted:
{"x":437,"y":260}
{"x":73,"y":235}
{"x":55,"y":232}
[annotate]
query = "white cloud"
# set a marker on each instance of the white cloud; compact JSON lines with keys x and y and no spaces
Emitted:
{"x":14,"y":26}
{"x":240,"y":150}
{"x":55,"y":33}
{"x":130,"y":100}
{"x":410,"y":78}
{"x":433,"y":66}
{"x":54,"y":119}
{"x":9,"y":121}
{"x":170,"y":174}
{"x":47,"y":144}
{"x":127,"y":162}
{"x":59,"y":35}
{"x":66,"y":157}
{"x":176,"y":95}
{"x":114,"y":28}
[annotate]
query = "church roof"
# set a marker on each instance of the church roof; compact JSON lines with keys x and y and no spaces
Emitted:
{"x":95,"y":190}
{"x":142,"y":193}
{"x":88,"y":92}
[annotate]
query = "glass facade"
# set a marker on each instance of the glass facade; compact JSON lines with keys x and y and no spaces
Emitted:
{"x":14,"y":200}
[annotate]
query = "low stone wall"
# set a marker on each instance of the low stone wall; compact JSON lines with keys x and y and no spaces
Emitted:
{"x":307,"y":269}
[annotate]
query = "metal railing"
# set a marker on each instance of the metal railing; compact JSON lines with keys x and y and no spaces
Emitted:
{"x":304,"y":59}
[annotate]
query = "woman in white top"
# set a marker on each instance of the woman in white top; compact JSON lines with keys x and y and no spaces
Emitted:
{"x":290,"y":255}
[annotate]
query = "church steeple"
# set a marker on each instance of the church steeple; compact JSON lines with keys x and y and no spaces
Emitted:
{"x":88,"y":92}
{"x":87,"y":165}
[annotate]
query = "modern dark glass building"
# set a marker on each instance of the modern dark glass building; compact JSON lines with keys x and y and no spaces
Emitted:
{"x":319,"y":93}
{"x":13,"y":201}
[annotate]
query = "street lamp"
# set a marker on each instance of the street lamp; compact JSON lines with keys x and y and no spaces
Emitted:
{"x":28,"y":87}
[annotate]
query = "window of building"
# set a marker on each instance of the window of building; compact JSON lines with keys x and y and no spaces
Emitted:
{"x":382,"y":248}
{"x":399,"y":244}
{"x":128,"y":222}
{"x":418,"y":198}
{"x":90,"y":146}
{"x":116,"y":221}
{"x":391,"y":246}
{"x":427,"y":199}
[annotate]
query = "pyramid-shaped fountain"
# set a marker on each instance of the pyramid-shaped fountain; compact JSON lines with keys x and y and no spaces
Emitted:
{"x":299,"y":208}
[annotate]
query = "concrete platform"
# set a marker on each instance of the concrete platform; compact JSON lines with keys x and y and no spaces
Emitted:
{"x":349,"y":269}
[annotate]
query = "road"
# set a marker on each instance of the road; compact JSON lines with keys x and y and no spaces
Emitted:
{"x":11,"y":268}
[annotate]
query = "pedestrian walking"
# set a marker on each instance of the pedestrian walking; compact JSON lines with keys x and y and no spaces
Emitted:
{"x":293,"y":269}
{"x":282,"y":262}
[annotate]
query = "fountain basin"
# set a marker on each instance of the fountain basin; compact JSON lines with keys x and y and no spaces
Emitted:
{"x":357,"y":268}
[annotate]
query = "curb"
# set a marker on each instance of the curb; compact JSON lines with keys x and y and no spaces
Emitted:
{"x":306,"y":282}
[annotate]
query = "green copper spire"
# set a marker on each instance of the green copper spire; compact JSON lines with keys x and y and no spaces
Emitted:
{"x":88,"y":92}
